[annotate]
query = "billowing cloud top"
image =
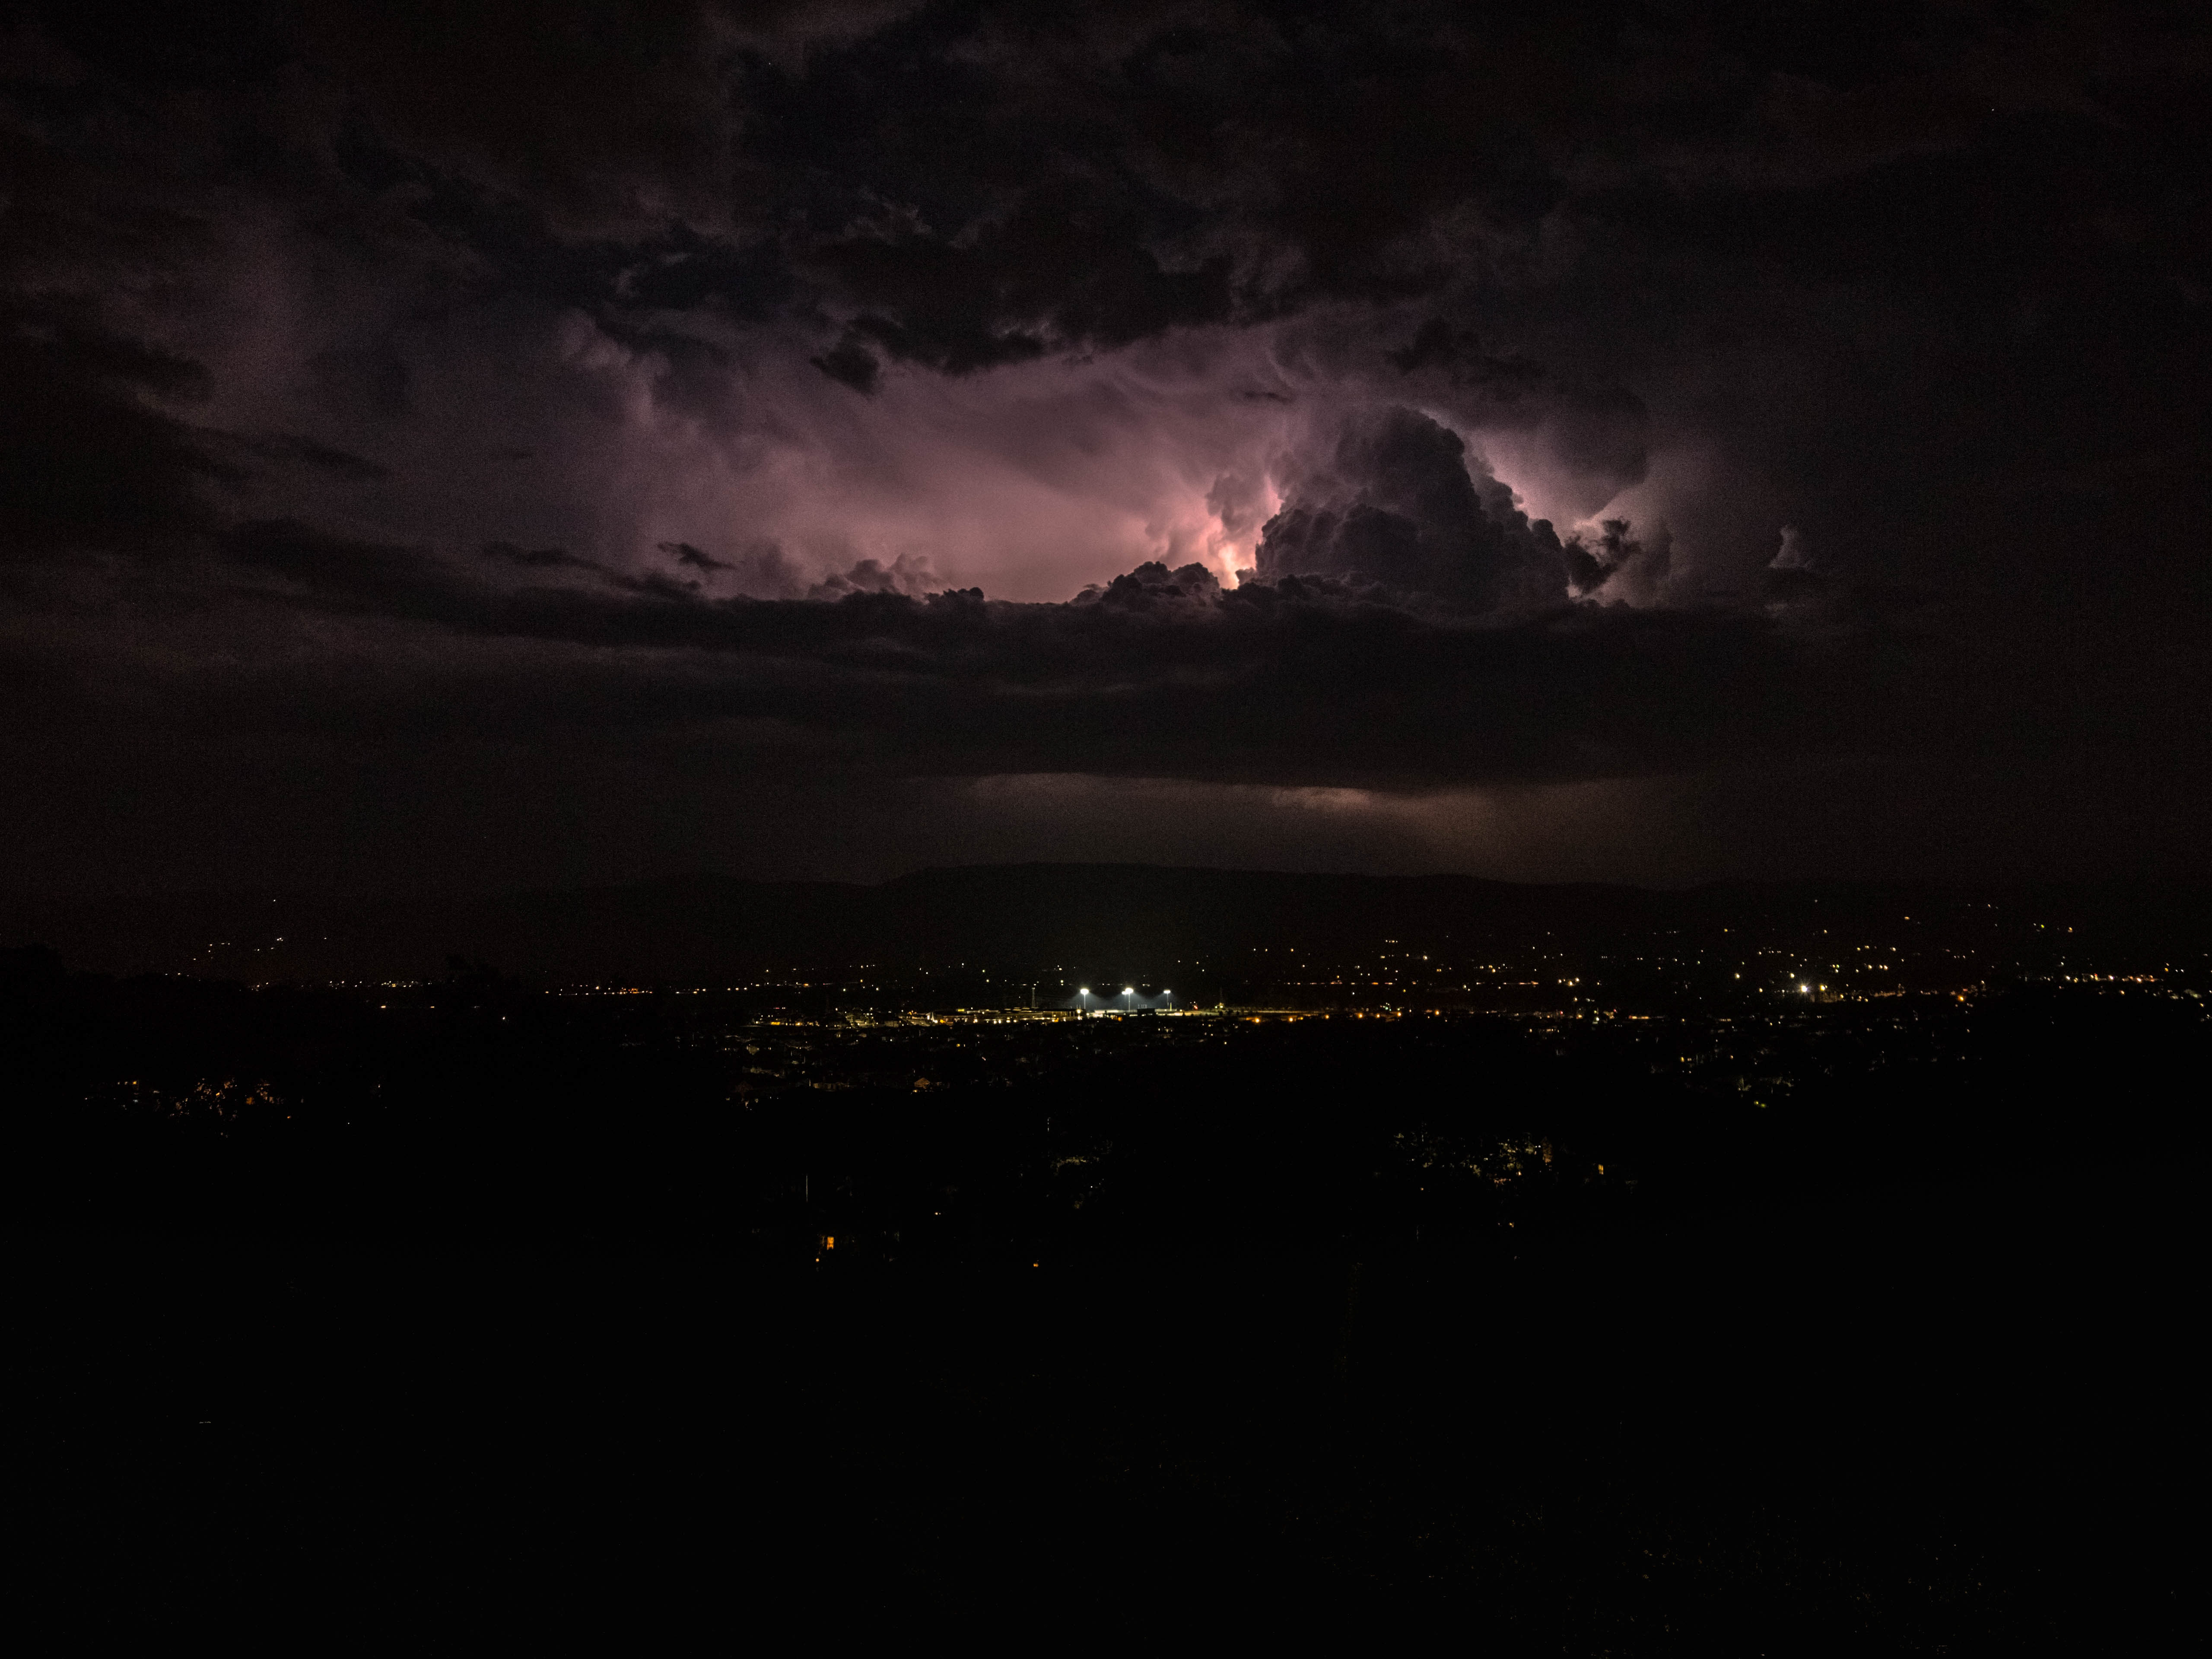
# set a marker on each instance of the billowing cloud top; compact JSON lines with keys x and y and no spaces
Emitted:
{"x":667,"y":431}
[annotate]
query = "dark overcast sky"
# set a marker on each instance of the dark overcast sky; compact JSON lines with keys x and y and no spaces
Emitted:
{"x":549,"y":443}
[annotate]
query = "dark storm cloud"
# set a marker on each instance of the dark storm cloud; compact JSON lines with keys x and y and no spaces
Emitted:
{"x":1392,"y":503}
{"x":1459,"y":353}
{"x":852,"y":364}
{"x":1596,"y":391}
{"x":1305,"y":681}
{"x":535,"y":558}
{"x":85,"y":463}
{"x":684,"y":554}
{"x":288,"y":446}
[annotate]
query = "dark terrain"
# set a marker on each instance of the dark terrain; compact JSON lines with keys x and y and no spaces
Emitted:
{"x":465,"y":1314}
{"x":1113,"y":922}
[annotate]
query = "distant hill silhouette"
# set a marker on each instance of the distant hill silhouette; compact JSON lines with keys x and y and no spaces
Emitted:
{"x":1038,"y":918}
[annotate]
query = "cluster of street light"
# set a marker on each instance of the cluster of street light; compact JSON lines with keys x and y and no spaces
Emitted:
{"x":1128,"y":999}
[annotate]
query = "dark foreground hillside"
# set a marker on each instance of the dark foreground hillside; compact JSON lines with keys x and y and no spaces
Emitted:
{"x":507,"y":1325}
{"x":1944,"y":1420}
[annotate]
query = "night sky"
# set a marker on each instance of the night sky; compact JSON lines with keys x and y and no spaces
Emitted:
{"x":461,"y":447}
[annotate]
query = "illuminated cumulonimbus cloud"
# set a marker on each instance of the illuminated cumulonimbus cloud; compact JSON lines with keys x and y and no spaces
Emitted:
{"x":1034,"y":479}
{"x":600,"y":349}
